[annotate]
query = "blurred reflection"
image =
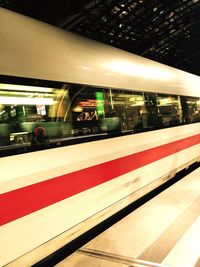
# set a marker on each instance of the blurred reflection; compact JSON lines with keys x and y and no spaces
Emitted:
{"x":43,"y":117}
{"x":40,"y":138}
{"x":193,"y":109}
{"x":169,"y":109}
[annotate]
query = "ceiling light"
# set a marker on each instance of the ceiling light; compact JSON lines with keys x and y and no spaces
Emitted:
{"x":24,"y":88}
{"x":25,"y":101}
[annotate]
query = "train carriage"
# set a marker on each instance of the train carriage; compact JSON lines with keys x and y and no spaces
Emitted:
{"x":85,"y":130}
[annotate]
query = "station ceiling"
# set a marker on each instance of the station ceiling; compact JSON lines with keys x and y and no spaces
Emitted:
{"x":166,"y":31}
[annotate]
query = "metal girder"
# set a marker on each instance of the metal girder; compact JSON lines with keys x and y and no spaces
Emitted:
{"x":165,"y":31}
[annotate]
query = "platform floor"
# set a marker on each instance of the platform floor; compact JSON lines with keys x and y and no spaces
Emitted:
{"x":163,"y":232}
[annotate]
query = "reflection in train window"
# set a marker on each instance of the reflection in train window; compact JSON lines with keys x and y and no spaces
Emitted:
{"x":129,"y":108}
{"x":193,"y":109}
{"x":22,"y":108}
{"x":86,"y":110}
{"x":169,"y":109}
{"x":33,"y":117}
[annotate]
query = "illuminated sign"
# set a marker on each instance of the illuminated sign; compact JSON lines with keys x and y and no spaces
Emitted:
{"x":88,"y":103}
{"x":100,"y":103}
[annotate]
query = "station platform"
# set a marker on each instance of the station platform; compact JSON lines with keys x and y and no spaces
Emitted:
{"x":163,"y":232}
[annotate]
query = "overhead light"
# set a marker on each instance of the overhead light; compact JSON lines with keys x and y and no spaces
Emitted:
{"x":16,"y":87}
{"x":26,"y":101}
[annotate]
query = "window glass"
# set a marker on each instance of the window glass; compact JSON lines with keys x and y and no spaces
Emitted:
{"x":32,"y":116}
{"x":128,"y":107}
{"x":169,"y":109}
{"x":40,"y":117}
{"x":86,"y":110}
{"x":154,"y":120}
{"x":56,"y":114}
{"x":193,"y":109}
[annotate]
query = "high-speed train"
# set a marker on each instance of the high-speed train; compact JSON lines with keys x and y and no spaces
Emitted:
{"x":85,"y":130}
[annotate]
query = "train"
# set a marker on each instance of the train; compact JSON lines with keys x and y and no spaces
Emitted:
{"x":85,"y":130}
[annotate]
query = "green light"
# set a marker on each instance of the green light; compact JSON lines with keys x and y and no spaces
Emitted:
{"x":100,"y":102}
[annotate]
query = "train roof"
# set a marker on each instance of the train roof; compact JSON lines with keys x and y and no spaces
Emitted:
{"x":33,"y":49}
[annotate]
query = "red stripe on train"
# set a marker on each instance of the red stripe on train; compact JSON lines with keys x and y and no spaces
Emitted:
{"x":23,"y":201}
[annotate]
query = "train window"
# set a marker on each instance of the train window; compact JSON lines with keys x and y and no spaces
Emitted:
{"x":55,"y":114}
{"x":129,"y":108}
{"x":33,"y":117}
{"x":193,"y":109}
{"x":169,"y":110}
{"x":153,"y":119}
{"x":86,"y":111}
{"x":25,"y":108}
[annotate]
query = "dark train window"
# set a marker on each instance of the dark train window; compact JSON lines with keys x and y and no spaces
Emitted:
{"x":86,"y":110}
{"x":55,"y":114}
{"x":153,"y":119}
{"x":23,"y":109}
{"x":169,"y":110}
{"x":193,"y":109}
{"x":124,"y":111}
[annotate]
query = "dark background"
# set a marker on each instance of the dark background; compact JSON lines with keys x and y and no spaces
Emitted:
{"x":166,"y":31}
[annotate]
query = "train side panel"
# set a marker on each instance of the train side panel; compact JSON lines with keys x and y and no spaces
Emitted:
{"x":53,"y":54}
{"x":52,"y":196}
{"x":141,"y":165}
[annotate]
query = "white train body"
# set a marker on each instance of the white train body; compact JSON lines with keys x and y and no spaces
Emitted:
{"x":50,"y":197}
{"x":37,"y":50}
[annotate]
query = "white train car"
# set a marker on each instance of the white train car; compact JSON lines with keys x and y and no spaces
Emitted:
{"x":85,"y":129}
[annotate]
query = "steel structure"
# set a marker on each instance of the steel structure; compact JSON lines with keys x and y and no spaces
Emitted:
{"x":165,"y":31}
